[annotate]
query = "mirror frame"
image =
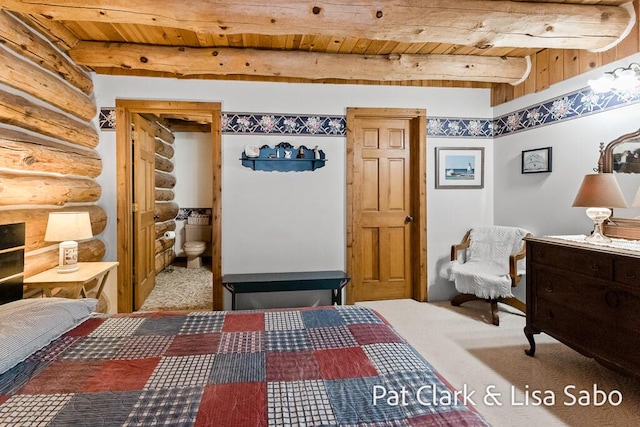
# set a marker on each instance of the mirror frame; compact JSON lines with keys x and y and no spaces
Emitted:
{"x":618,"y":227}
{"x":605,"y":163}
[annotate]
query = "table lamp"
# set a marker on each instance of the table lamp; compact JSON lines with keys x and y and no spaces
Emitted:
{"x":67,"y":227}
{"x":599,"y":192}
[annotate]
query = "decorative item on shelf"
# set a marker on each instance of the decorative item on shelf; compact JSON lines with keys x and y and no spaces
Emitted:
{"x":271,"y":159}
{"x":198,"y":219}
{"x":67,"y":227}
{"x":621,"y":78}
{"x":251,"y":150}
{"x":599,"y":192}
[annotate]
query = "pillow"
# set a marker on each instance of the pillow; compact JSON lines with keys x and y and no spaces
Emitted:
{"x":28,"y":325}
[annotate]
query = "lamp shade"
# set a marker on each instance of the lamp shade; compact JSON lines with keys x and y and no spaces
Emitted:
{"x":600,"y":190}
{"x":68,"y":226}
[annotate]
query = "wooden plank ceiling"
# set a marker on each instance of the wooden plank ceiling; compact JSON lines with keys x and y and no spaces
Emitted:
{"x":463,"y":43}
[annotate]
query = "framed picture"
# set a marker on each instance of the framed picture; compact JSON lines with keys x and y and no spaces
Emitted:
{"x":536,"y":161}
{"x":459,"y":167}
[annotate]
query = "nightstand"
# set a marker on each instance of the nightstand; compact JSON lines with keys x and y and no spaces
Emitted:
{"x":75,"y":281}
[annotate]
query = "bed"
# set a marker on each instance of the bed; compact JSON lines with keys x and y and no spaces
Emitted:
{"x":335,"y":365}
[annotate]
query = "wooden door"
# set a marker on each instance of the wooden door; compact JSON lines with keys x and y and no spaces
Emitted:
{"x":386,"y":252}
{"x":144,"y":230}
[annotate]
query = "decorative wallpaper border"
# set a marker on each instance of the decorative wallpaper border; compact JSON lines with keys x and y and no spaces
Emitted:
{"x":443,"y":127}
{"x":570,"y":106}
{"x":318,"y":125}
{"x":283,"y":124}
{"x":573,"y":105}
{"x":107,"y":118}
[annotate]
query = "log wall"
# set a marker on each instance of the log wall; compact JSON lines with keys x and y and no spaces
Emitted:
{"x":551,"y":66}
{"x":166,"y":209}
{"x":47,"y":142}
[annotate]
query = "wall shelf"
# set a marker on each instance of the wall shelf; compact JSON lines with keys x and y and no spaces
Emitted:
{"x":274,"y":159}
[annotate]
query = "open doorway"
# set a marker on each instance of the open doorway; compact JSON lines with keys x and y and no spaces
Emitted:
{"x":129,"y":234}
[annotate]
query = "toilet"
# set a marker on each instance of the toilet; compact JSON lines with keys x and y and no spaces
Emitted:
{"x":197,"y":238}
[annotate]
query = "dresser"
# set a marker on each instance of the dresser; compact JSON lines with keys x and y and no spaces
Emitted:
{"x":587,"y":297}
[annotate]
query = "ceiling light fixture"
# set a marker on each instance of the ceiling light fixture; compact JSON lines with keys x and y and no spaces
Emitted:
{"x":621,"y":78}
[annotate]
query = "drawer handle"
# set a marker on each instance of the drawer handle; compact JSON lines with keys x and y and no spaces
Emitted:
{"x":630,"y":275}
{"x":548,"y":288}
{"x":612,"y":299}
{"x":595,"y":267}
{"x":549,"y":314}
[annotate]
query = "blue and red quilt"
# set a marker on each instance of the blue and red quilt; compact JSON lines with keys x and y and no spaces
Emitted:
{"x":341,"y":365}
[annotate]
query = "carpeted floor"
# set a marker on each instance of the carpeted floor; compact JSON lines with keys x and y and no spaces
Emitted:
{"x":181,"y":288}
{"x":468,"y":351}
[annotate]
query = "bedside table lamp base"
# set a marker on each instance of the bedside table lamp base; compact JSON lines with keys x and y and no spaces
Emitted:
{"x":68,"y":257}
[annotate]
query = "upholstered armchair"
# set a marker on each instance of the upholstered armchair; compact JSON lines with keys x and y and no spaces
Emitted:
{"x":487,"y":264}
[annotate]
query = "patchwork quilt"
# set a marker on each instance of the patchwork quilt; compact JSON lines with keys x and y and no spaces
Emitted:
{"x":342,"y":365}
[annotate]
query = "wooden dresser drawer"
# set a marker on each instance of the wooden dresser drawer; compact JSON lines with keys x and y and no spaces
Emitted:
{"x":577,"y":260}
{"x":586,"y":296}
{"x":614,"y":306}
{"x":589,"y":335}
{"x":627,"y":270}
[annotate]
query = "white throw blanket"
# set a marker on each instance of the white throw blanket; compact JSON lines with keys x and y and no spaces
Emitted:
{"x":485,"y":271}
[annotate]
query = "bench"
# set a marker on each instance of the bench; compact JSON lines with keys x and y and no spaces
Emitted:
{"x":292,"y":281}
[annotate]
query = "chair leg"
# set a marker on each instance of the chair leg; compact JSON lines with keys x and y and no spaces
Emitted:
{"x":462,"y":298}
{"x":459,"y":299}
{"x":495,"y":318}
{"x":515,"y":303}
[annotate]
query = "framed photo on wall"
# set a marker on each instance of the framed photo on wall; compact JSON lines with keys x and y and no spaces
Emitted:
{"x":459,"y":167}
{"x":537,"y":160}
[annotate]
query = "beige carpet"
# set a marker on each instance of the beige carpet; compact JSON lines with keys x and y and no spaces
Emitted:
{"x":181,"y":288}
{"x":467,"y":350}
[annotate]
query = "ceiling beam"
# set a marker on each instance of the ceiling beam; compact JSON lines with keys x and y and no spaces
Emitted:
{"x":308,"y":65}
{"x":55,"y":31}
{"x":479,"y":23}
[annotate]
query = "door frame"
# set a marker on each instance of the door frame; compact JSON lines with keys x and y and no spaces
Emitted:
{"x":124,"y":190}
{"x":418,"y":180}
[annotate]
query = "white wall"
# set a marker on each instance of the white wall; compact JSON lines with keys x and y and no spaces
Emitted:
{"x":193,"y":169}
{"x":296,"y":221}
{"x":542,"y":202}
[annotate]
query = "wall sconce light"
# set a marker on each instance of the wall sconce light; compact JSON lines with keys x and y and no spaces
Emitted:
{"x":622,"y":78}
{"x":67,"y":227}
{"x":598,"y":193}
